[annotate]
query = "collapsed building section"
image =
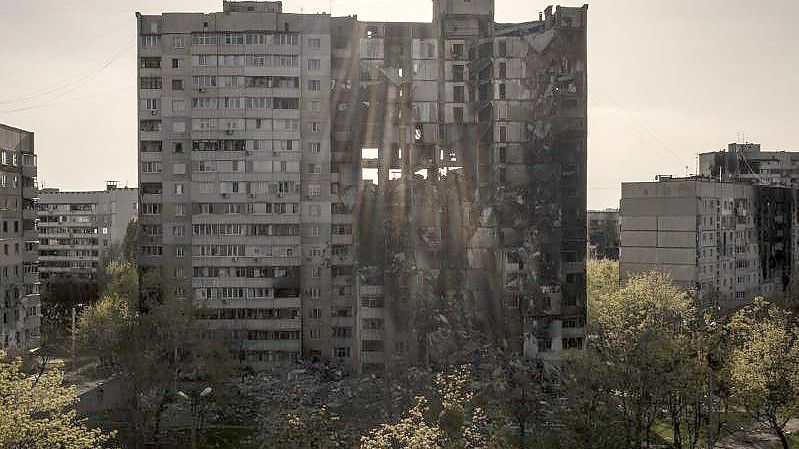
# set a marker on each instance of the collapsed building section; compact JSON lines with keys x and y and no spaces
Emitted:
{"x":471,"y":217}
{"x":366,"y":193}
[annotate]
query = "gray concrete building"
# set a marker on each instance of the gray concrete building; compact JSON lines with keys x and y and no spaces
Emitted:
{"x":603,"y":234}
{"x":727,"y":241}
{"x":747,"y":162}
{"x":325,"y":188}
{"x":78,"y":229}
{"x":19,"y":284}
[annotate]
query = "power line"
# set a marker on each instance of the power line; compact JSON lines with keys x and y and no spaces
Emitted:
{"x":72,"y":82}
{"x":69,"y":100}
{"x":79,"y":44}
{"x":641,"y":125}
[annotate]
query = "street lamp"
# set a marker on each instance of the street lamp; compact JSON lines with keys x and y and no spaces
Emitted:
{"x":195,"y":415}
{"x":43,"y":359}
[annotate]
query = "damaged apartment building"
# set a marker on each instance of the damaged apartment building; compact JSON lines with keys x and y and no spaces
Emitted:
{"x":20,"y":308}
{"x":367,"y":192}
{"x":726,"y":241}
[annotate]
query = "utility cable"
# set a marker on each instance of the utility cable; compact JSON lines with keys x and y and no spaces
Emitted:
{"x":72,"y":82}
{"x":69,"y":100}
{"x":61,"y":52}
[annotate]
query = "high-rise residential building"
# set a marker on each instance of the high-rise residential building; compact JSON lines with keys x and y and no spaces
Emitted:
{"x":78,"y":229}
{"x":19,"y":280}
{"x":746,"y":162}
{"x":323,"y":187}
{"x":603,"y":234}
{"x":727,"y":241}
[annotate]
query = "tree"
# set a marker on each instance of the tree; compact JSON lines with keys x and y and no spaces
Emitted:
{"x":36,"y":411}
{"x":296,"y":425}
{"x":603,"y":279}
{"x":764,"y":365}
{"x":646,"y":364}
{"x":121,"y":278}
{"x":104,"y":328}
{"x":459,"y":424}
{"x":151,"y":352}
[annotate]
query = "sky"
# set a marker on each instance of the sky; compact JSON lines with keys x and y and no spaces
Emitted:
{"x":667,"y":79}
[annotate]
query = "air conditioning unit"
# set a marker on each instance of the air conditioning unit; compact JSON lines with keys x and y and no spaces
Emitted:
{"x":225,"y":195}
{"x":154,"y":112}
{"x":228,"y":131}
{"x":235,"y":259}
{"x":252,"y":195}
{"x":202,"y":91}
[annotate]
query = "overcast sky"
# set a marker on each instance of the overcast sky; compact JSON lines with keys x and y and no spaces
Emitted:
{"x":667,"y":79}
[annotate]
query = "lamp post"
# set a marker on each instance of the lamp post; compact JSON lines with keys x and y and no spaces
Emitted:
{"x":194,"y":401}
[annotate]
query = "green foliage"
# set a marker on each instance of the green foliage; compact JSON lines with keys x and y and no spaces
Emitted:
{"x":646,"y":365}
{"x":459,"y":424}
{"x":152,"y":351}
{"x":122,"y":279}
{"x":104,"y":328}
{"x":602,"y":278}
{"x":306,"y":427}
{"x":764,"y":364}
{"x":36,"y":411}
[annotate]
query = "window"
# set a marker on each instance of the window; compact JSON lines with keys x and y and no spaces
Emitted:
{"x":502,"y":91}
{"x":315,"y":313}
{"x":503,"y":52}
{"x":315,"y":127}
{"x":503,"y":70}
{"x":150,"y":40}
{"x":457,"y":72}
{"x":179,"y":127}
{"x":316,"y":272}
{"x":177,"y":63}
{"x":151,"y":63}
{"x":177,"y":84}
{"x":180,"y":210}
{"x":314,"y":64}
{"x":457,"y":51}
{"x":180,"y":252}
{"x":151,"y":104}
{"x":151,"y":167}
{"x":178,"y":189}
{"x":150,"y":82}
{"x":458,"y":94}
{"x":314,"y":85}
{"x":314,"y":210}
{"x":314,"y":43}
{"x":314,"y":190}
{"x":178,"y":42}
{"x":179,"y":168}
{"x":315,"y":106}
{"x":341,"y":352}
{"x":458,"y":114}
{"x":315,"y":147}
{"x":178,"y":105}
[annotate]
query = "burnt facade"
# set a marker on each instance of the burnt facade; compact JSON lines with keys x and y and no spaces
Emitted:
{"x":474,"y":223}
{"x":429,"y":179}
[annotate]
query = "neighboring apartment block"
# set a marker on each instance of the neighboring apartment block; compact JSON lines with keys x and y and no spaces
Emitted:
{"x":323,"y":187}
{"x":77,"y":229}
{"x":746,"y":162}
{"x":19,"y":284}
{"x":728,"y":241}
{"x":603,"y":234}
